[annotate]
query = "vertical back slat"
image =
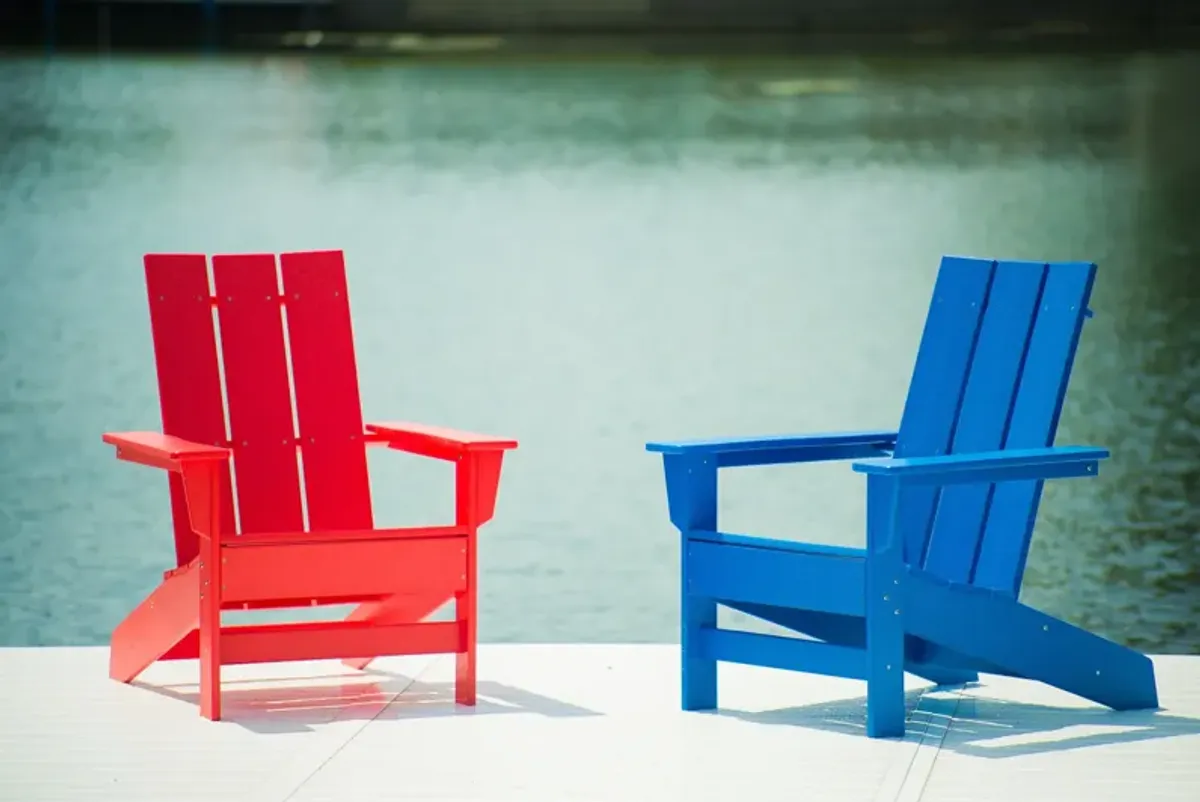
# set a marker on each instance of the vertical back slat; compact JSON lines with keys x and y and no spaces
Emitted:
{"x":189,"y":380}
{"x":984,"y":416}
{"x":328,"y":408}
{"x":939,"y":376}
{"x":1048,"y":362}
{"x":258,"y":393}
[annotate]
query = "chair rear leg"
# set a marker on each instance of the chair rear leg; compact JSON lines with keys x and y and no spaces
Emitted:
{"x":698,"y":677}
{"x":397,"y":609}
{"x":158,"y":624}
{"x":464,"y":661}
{"x":847,"y":630}
{"x":1031,"y":644}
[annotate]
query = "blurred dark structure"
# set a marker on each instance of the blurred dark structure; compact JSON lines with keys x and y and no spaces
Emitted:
{"x":172,"y":24}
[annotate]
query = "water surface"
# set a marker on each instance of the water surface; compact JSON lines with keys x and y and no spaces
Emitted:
{"x":587,"y":257}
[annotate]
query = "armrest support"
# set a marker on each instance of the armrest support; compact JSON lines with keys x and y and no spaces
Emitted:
{"x":434,"y":441}
{"x":782,"y":449}
{"x":477,"y":479}
{"x":1060,"y":462}
{"x":163,"y":450}
{"x":194,"y":462}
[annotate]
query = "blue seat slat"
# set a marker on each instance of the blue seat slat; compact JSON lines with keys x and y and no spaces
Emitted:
{"x":792,"y":654}
{"x":786,"y":578}
{"x":773,"y":442}
{"x":1051,"y":353}
{"x":777,"y":544}
{"x":939,"y":375}
{"x":983,"y":418}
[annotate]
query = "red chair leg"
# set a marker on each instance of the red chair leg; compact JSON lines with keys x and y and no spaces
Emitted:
{"x":166,"y":617}
{"x":476,"y":481}
{"x":464,"y":669}
{"x":210,"y":632}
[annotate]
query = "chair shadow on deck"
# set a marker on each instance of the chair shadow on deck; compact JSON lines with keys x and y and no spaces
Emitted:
{"x":964,"y":723}
{"x":277,"y":706}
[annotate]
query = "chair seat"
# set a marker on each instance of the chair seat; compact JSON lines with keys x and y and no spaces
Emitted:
{"x":777,"y":544}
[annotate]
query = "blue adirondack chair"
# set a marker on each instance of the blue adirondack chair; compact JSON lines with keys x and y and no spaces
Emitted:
{"x":951,"y":502}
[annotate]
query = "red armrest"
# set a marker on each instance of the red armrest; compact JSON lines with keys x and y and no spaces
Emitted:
{"x":162,"y":450}
{"x":434,"y":441}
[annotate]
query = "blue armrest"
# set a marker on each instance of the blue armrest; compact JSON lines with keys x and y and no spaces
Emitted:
{"x":780,"y":449}
{"x":990,"y":466}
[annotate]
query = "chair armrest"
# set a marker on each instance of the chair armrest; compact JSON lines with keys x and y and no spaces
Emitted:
{"x":434,"y":441}
{"x":781,"y":449}
{"x":163,"y":450}
{"x":1060,"y":462}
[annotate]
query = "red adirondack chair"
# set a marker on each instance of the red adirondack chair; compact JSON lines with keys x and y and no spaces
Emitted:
{"x":279,"y":547}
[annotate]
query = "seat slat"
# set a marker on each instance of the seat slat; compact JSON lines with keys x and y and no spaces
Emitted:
{"x":983,"y":419}
{"x":189,"y":379}
{"x":323,"y":640}
{"x":325,"y":376}
{"x":265,"y":573}
{"x":258,"y":393}
{"x":939,"y":377}
{"x":791,"y":654}
{"x":1009,"y":527}
{"x":782,"y":577}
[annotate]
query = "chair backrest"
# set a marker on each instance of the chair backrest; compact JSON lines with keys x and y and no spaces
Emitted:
{"x":991,"y":374}
{"x":284,"y":332}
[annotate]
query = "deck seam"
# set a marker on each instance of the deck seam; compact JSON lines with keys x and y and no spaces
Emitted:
{"x":357,"y":732}
{"x":898,"y":783}
{"x":920,"y":769}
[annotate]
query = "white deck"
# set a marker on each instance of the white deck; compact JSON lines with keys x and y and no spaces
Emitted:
{"x":560,"y":723}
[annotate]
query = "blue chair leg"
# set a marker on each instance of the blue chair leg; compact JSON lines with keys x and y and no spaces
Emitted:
{"x":692,"y":500}
{"x":885,"y":620}
{"x":699,"y":677}
{"x":885,"y":695}
{"x":885,"y":689}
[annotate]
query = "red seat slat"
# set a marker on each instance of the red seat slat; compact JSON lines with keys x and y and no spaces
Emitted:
{"x":325,"y":377}
{"x":189,"y":380}
{"x":258,"y":393}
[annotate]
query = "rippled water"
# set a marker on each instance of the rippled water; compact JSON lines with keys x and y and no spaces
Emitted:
{"x":587,"y":257}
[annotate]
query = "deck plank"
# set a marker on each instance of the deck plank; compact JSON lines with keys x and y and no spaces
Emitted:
{"x":569,"y":722}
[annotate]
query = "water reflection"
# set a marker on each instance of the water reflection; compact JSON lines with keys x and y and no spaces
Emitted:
{"x":1137,"y":388}
{"x":590,"y":256}
{"x":981,"y":113}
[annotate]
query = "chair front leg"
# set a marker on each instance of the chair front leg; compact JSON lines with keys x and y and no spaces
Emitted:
{"x":692,"y":501}
{"x":884,"y":612}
